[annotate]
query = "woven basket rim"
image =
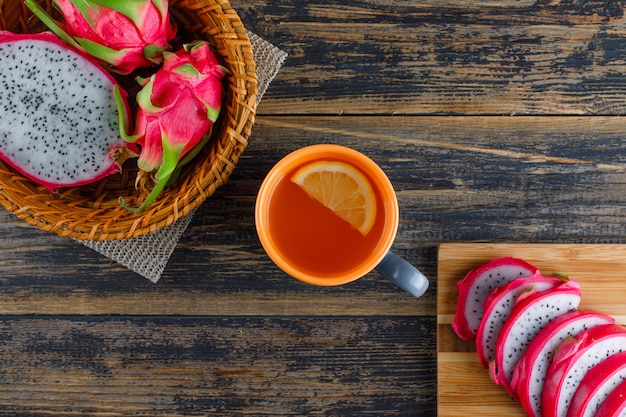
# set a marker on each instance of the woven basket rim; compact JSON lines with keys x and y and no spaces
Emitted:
{"x":96,"y":216}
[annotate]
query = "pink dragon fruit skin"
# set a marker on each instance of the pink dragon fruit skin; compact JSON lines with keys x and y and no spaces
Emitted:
{"x":126,"y":34}
{"x":497,"y":308}
{"x":573,"y":359}
{"x":61,"y":141}
{"x":530,"y":371}
{"x":529,"y":316}
{"x":597,"y":384}
{"x":177,"y":108}
{"x":475,"y":286}
{"x":615,"y":403}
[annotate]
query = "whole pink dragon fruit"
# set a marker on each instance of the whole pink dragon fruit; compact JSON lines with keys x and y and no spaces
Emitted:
{"x":177,"y":108}
{"x":126,"y":34}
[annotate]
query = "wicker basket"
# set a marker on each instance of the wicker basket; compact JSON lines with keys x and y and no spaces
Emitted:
{"x":92,"y":212}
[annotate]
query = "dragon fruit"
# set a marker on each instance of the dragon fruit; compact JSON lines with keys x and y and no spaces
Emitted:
{"x":597,"y":384}
{"x":475,"y":286}
{"x":615,"y":403}
{"x":60,"y":123}
{"x":530,"y":372}
{"x":497,"y":308}
{"x":573,"y":359}
{"x":177,"y":108}
{"x":529,"y":316}
{"x":126,"y":34}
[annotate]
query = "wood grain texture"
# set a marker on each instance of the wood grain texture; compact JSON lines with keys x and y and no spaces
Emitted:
{"x":212,"y":366}
{"x":428,"y":90}
{"x":441,"y":57}
{"x":458,"y":179}
{"x":464,"y":387}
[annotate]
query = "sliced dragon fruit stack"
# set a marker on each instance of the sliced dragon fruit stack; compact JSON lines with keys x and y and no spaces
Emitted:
{"x":530,"y":371}
{"x":573,"y":359}
{"x":554,"y":359}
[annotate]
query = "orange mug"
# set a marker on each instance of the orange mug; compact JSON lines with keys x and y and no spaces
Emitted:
{"x":332,"y":240}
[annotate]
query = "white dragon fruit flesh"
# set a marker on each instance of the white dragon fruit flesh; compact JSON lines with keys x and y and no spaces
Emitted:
{"x":573,"y":359}
{"x":530,"y":372}
{"x":475,"y":286}
{"x":60,"y":121}
{"x":529,"y":316}
{"x":497,"y":308}
{"x":597,"y":384}
{"x":615,"y":403}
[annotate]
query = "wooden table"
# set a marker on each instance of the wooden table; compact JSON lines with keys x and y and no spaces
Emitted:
{"x":497,"y":121}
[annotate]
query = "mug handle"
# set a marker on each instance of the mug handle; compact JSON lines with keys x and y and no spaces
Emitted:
{"x":403,"y":274}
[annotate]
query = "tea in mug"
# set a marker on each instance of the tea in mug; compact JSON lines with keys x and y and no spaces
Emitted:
{"x":326,"y":216}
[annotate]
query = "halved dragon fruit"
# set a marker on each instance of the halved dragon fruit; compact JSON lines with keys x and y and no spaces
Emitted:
{"x":530,"y":372}
{"x":475,"y":286}
{"x":497,"y":308}
{"x":615,"y":403}
{"x":573,"y":359}
{"x":60,"y":123}
{"x":529,"y":316}
{"x":597,"y":384}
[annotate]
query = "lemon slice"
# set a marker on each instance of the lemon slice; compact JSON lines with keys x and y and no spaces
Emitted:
{"x":342,"y":188}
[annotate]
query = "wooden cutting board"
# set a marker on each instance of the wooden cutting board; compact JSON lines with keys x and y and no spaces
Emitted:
{"x":464,"y":387}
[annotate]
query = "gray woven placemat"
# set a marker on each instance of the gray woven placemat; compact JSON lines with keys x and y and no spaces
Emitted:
{"x":148,"y":255}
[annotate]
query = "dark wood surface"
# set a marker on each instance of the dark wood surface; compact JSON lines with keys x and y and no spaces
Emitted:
{"x":497,"y":121}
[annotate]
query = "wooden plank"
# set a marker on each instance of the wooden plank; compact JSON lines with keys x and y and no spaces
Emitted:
{"x":498,"y":179}
{"x":216,"y":366}
{"x":464,"y":387}
{"x":599,"y":269}
{"x":208,"y":274}
{"x":442,"y":57}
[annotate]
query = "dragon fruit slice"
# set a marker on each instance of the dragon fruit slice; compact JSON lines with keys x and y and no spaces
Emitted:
{"x":530,"y":372}
{"x":497,"y":308}
{"x":60,"y":123}
{"x":597,"y":384}
{"x":615,"y":403}
{"x":475,"y":286}
{"x":529,"y":316}
{"x":573,"y":359}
